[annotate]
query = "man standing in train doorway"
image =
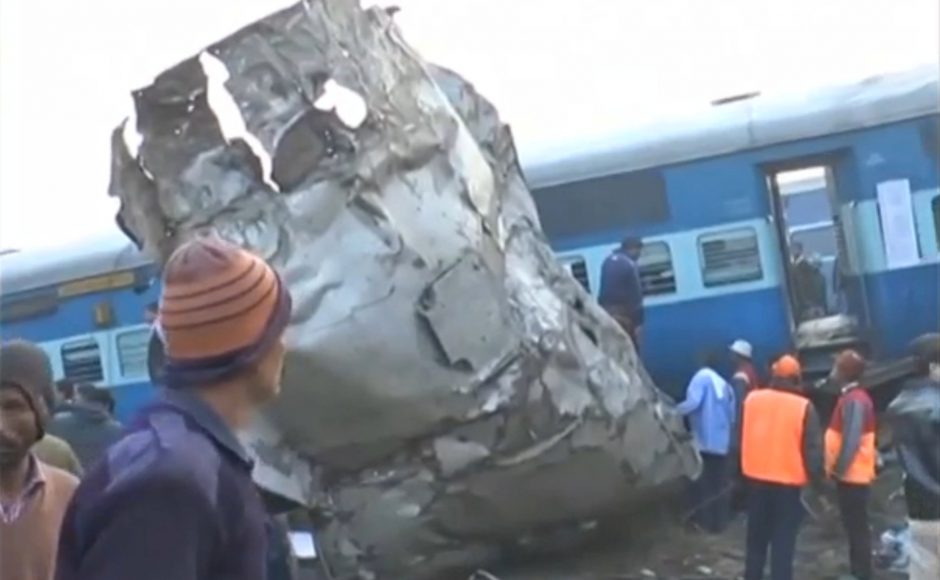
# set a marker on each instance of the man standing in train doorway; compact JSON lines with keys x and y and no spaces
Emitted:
{"x":621,"y":292}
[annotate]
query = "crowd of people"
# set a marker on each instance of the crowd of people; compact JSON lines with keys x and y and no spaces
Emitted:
{"x":763,"y":443}
{"x":171,"y":495}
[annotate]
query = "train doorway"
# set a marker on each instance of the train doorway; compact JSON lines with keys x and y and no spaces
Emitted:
{"x":804,"y":201}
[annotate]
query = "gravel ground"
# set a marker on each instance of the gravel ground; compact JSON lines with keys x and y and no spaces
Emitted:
{"x":657,"y":546}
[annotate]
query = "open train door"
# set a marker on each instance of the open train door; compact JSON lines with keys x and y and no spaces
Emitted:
{"x":821,"y":267}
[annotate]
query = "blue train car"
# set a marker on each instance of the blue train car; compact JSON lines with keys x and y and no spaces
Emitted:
{"x":721,"y":202}
{"x":725,"y":200}
{"x":85,"y":305}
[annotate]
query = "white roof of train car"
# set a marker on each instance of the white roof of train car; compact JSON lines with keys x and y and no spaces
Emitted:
{"x":31,"y":269}
{"x":740,"y":125}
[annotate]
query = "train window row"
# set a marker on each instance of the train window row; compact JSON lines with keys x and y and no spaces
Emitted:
{"x":726,"y":257}
{"x":84,"y":359}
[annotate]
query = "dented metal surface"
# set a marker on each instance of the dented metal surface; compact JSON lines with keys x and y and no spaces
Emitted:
{"x":449,"y":388}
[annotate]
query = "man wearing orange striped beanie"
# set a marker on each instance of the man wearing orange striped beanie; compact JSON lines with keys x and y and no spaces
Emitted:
{"x":174,"y":498}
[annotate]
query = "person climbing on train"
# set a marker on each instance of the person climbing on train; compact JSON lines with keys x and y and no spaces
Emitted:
{"x":174,"y":498}
{"x":710,"y":406}
{"x":621,"y":292}
{"x":851,"y":456}
{"x":781,"y":452}
{"x":33,"y":494}
{"x":915,"y":425}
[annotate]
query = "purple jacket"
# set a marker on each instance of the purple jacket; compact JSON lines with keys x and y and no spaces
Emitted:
{"x":173,"y":499}
{"x":620,"y":285}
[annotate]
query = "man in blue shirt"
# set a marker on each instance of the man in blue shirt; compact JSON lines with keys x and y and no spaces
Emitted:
{"x":711,"y":408}
{"x":621,"y":293}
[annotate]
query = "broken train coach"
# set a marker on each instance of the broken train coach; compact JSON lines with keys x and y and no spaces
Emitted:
{"x":847,"y":174}
{"x":719,"y":201}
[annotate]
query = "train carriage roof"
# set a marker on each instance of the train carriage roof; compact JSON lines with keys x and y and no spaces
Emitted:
{"x":724,"y":129}
{"x":32,"y":269}
{"x":741,"y":125}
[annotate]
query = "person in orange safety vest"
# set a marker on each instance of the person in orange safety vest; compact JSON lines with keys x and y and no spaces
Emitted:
{"x":781,"y":452}
{"x":851,"y":457}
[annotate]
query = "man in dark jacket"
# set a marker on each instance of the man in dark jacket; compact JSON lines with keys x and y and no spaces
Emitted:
{"x":86,"y":424}
{"x":621,"y":292}
{"x":915,"y":421}
{"x":174,"y":499}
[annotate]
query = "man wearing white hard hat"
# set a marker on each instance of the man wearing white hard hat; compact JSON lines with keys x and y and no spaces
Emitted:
{"x":742,"y":353}
{"x":744,"y":380}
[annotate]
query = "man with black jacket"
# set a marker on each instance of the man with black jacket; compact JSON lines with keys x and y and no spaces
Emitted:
{"x":915,"y":421}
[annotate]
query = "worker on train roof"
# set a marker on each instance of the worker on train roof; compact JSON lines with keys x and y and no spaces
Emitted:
{"x":781,"y":451}
{"x":621,"y":292}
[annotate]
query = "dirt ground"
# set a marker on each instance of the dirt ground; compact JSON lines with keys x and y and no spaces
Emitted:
{"x":667,"y":549}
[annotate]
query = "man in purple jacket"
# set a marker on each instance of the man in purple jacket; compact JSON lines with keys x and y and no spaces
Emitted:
{"x":621,"y":293}
{"x":174,"y":498}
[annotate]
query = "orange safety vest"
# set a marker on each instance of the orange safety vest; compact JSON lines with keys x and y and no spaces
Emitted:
{"x":861,"y":470}
{"x":772,"y":437}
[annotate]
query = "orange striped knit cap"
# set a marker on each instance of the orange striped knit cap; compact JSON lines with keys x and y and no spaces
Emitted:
{"x":217,"y":299}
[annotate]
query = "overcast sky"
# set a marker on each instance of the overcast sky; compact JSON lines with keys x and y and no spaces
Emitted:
{"x":556,"y":69}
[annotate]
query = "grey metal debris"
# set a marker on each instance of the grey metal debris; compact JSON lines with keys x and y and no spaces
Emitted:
{"x":450,"y":388}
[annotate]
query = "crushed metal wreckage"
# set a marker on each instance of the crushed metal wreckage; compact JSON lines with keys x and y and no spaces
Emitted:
{"x":450,"y":389}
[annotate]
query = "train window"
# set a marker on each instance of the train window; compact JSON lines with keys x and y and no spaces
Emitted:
{"x":578,"y":268}
{"x":81,"y":360}
{"x":602,"y":204}
{"x":656,"y":272}
{"x":132,"y":350}
{"x":729,"y":257}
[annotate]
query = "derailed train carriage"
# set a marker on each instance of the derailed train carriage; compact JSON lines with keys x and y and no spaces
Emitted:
{"x":848,"y":173}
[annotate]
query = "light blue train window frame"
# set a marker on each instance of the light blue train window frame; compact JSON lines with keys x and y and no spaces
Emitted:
{"x":132,"y":347}
{"x":657,"y":272}
{"x":730,"y":257}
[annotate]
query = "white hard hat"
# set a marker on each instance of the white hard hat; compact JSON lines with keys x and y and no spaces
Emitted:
{"x":742,"y":348}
